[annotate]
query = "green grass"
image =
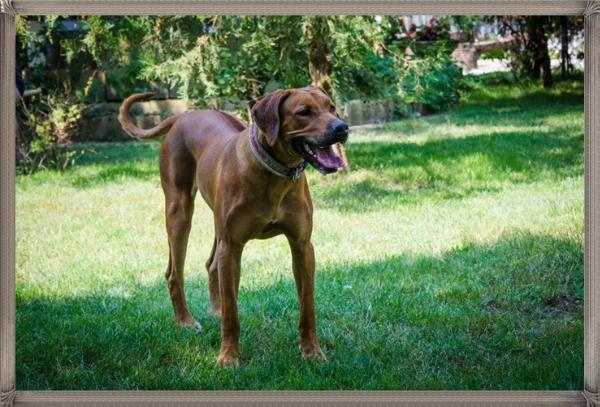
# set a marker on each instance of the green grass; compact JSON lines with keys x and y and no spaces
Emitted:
{"x":449,"y":257}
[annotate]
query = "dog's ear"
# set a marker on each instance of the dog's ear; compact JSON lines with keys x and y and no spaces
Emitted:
{"x":265,"y":114}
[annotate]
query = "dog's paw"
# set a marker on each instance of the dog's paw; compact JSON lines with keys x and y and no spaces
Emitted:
{"x":226,"y":359}
{"x":190,"y":323}
{"x":313,"y":352}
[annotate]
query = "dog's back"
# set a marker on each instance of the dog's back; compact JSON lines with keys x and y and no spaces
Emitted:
{"x":195,"y":142}
{"x":200,"y":128}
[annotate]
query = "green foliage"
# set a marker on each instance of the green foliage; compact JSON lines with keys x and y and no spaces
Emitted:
{"x":361,"y":69}
{"x":432,"y":80}
{"x":530,"y":54}
{"x":238,"y":57}
{"x":495,"y":54}
{"x":468,"y":25}
{"x":46,"y":128}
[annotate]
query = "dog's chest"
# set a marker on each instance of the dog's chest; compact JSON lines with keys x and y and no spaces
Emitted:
{"x":266,"y":213}
{"x":268,"y":232}
{"x":269,"y":226}
{"x":269,"y":222}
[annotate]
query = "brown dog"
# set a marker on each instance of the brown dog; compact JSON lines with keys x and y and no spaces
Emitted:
{"x":253,"y":181}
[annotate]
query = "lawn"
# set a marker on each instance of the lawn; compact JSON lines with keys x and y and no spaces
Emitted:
{"x":450,"y":256}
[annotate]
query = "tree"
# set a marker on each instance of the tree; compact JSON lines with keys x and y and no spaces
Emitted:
{"x":317,"y":33}
{"x":564,"y":42}
{"x":565,"y":28}
{"x":530,"y":54}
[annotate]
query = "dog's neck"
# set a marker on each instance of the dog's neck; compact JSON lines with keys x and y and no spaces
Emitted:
{"x":282,"y":152}
{"x":276,"y":159}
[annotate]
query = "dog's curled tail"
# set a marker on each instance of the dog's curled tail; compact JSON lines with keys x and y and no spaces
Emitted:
{"x":143,"y":134}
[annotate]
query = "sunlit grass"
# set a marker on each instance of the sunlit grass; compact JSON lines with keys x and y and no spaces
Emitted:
{"x":449,"y":257}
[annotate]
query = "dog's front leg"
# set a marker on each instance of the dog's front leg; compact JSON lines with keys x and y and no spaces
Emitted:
{"x":229,"y":258}
{"x":303,"y":264}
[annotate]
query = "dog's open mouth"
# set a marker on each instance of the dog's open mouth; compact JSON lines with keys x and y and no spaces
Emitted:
{"x":323,"y":158}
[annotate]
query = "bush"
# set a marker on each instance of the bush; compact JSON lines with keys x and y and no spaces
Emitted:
{"x":432,"y":80}
{"x":242,"y":57}
{"x":46,"y":128}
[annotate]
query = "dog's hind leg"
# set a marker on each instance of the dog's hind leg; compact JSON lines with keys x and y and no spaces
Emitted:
{"x":179,"y":210}
{"x":213,"y":280}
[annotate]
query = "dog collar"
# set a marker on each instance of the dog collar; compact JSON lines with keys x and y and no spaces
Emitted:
{"x":266,"y":159}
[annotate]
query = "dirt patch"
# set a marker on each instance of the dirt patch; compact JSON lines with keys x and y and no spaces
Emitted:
{"x":562,"y":305}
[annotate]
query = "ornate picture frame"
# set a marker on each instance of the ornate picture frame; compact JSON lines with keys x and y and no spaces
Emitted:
{"x":590,"y":9}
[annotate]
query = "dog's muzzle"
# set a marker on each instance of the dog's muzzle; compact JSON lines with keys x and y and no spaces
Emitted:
{"x":338,"y":132}
{"x":320,"y":154}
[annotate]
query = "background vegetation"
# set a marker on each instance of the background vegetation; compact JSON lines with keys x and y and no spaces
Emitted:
{"x":77,"y":61}
{"x":223,"y":56}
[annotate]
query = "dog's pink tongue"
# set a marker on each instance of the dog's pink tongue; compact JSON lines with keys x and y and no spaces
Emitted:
{"x":328,"y":158}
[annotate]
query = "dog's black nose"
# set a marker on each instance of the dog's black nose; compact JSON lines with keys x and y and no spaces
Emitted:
{"x":339,"y":129}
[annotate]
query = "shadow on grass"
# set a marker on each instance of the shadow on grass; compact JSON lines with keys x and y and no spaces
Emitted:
{"x":117,"y":152}
{"x":451,"y":168}
{"x":101,"y":163}
{"x":408,"y":172}
{"x":570,"y":94}
{"x":528,"y":154}
{"x":543,"y":102}
{"x":450,"y":322}
{"x":508,"y":105}
{"x":115,"y":173}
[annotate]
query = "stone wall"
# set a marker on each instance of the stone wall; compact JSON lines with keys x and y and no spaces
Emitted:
{"x":106,"y":89}
{"x":99,"y":122}
{"x":357,"y":112}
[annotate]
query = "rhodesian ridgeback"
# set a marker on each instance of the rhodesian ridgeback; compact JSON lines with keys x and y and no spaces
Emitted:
{"x":253,"y":180}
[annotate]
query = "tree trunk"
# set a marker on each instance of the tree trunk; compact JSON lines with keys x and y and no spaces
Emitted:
{"x":319,"y":58}
{"x":536,"y":71}
{"x":544,"y":55}
{"x":564,"y":52}
{"x":319,"y":62}
{"x":547,"y":68}
{"x":538,"y":44}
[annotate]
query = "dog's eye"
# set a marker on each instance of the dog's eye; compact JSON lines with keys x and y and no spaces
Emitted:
{"x":332,"y":109}
{"x":304,"y":112}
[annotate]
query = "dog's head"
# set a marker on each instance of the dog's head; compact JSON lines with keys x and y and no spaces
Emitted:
{"x":303,"y":123}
